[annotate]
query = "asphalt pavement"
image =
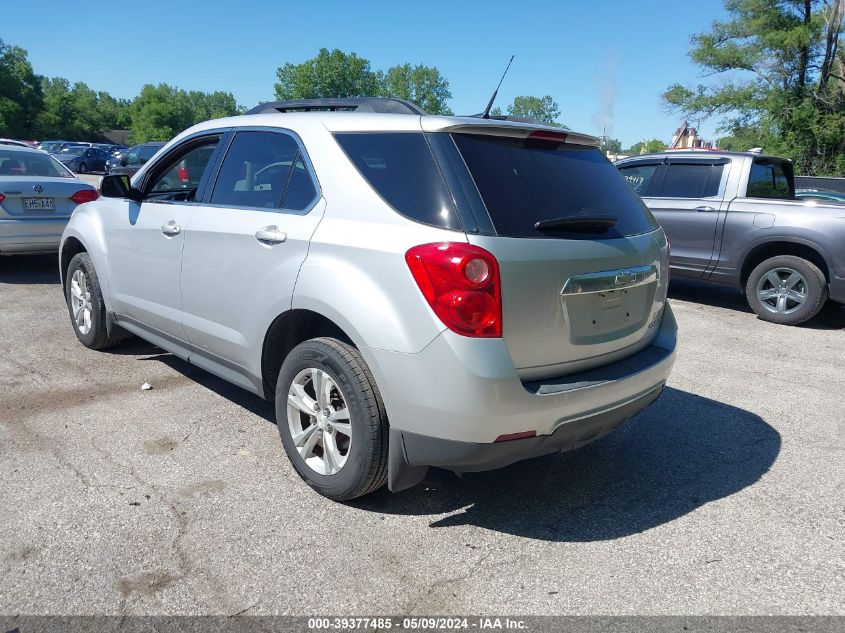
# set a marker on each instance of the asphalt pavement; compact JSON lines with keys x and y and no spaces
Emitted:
{"x":725,"y":497}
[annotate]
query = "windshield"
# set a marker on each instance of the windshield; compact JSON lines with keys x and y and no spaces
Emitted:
{"x":73,"y":150}
{"x":13,"y":163}
{"x":523,"y":182}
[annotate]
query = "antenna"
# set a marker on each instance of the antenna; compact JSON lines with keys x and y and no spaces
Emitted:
{"x":486,"y":114}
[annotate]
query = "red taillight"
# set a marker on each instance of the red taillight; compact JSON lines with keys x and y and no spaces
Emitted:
{"x":85,"y":195}
{"x":2,"y":197}
{"x":461,"y":284}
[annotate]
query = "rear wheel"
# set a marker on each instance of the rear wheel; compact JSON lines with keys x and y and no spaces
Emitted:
{"x":786,"y":289}
{"x":85,"y":304}
{"x":332,"y":420}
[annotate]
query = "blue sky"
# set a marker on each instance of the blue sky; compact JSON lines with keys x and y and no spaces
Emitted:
{"x":601,"y":60}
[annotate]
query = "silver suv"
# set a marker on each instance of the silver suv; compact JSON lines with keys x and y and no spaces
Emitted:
{"x":410,"y":290}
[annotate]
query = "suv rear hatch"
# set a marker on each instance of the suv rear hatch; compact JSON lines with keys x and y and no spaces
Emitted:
{"x":582,"y":261}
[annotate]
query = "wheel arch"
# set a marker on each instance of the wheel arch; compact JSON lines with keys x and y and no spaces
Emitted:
{"x":71,"y":246}
{"x":288,"y":330}
{"x":784,"y":246}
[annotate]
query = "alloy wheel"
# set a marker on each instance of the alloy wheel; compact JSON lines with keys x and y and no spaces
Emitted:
{"x":318,"y":419}
{"x":80,"y":301}
{"x":782,"y":291}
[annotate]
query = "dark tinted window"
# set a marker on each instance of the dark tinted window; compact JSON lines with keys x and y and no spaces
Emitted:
{"x":691,"y":181}
{"x":402,"y":170}
{"x":300,"y":191}
{"x":264,"y":170}
{"x":639,"y":176}
{"x":523,"y":182}
{"x":146,"y":152}
{"x":770,"y":179}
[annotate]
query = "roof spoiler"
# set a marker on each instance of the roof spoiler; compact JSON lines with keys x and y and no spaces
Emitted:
{"x":381,"y":105}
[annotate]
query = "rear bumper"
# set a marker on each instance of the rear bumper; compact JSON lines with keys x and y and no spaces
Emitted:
{"x":419,"y":450}
{"x":31,"y":235}
{"x":449,"y":403}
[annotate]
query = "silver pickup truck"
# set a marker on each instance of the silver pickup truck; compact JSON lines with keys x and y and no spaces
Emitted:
{"x":733,"y":218}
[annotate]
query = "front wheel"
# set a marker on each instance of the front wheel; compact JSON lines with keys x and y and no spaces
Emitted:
{"x":331,"y":419}
{"x":83,"y":168}
{"x":85,"y":304}
{"x":786,"y":289}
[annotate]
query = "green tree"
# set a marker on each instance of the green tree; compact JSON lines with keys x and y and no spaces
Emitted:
{"x":646,"y":147}
{"x":612,"y":145}
{"x":55,"y":120}
{"x":21,"y":96}
{"x":159,"y":113}
{"x":329,"y":74}
{"x":422,"y":85}
{"x":543,"y":109}
{"x":114,"y":113}
{"x":784,"y":90}
{"x":208,"y":105}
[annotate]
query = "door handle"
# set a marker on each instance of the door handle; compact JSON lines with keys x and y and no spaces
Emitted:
{"x":170,"y":228}
{"x":704,"y":209}
{"x":270,"y":235}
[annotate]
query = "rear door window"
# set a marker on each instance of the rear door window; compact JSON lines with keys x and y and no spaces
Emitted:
{"x":691,"y":180}
{"x":639,"y":176}
{"x":523,"y":182}
{"x":400,"y":167}
{"x":264,"y":170}
{"x":771,"y":179}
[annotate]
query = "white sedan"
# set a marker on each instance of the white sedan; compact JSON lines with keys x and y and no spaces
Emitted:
{"x":37,"y":196}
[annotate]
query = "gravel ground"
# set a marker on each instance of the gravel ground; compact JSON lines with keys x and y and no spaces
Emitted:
{"x":725,"y":497}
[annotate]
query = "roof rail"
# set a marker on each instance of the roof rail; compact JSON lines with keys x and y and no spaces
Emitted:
{"x":382,"y":105}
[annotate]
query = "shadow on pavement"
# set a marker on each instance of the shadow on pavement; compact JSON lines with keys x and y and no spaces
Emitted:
{"x":831,"y":317}
{"x":241,"y":397}
{"x":29,"y":269}
{"x":679,"y":454}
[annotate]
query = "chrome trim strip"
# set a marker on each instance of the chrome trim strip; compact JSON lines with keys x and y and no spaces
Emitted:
{"x":609,"y":280}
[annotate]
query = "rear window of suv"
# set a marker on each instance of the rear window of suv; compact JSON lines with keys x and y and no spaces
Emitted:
{"x":523,"y":182}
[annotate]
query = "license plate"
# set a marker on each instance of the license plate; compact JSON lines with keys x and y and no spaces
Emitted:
{"x":38,"y":204}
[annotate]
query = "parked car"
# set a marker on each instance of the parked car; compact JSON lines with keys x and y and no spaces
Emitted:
{"x":111,"y":148}
{"x":133,"y":159}
{"x":37,"y":196}
{"x":733,"y":218}
{"x":820,"y":194}
{"x":54,"y":147}
{"x":8,"y":141}
{"x":492,"y":288}
{"x":81,"y":159}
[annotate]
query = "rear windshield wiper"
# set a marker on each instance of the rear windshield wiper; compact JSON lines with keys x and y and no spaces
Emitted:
{"x":578,"y":224}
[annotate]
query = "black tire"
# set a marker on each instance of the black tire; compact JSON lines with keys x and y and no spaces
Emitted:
{"x":365,"y":469}
{"x":97,"y":337}
{"x":83,"y":168}
{"x":816,"y":289}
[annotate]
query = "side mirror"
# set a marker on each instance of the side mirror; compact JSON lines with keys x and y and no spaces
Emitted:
{"x":123,"y":161}
{"x":119,"y":186}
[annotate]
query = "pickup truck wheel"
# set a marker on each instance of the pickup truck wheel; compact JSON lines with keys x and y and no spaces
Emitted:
{"x":332,"y":420}
{"x":85,"y":304}
{"x":786,"y":289}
